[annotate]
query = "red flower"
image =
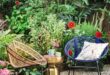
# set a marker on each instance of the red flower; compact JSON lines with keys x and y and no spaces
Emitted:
{"x":70,"y":52}
{"x":17,"y":2}
{"x":71,"y":24}
{"x":98,"y":34}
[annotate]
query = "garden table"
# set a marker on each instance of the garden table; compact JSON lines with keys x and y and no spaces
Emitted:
{"x":52,"y":65}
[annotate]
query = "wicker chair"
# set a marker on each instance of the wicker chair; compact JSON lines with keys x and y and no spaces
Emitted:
{"x":77,"y":44}
{"x":21,"y":55}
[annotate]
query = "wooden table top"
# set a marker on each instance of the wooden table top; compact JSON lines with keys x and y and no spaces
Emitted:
{"x":53,"y":59}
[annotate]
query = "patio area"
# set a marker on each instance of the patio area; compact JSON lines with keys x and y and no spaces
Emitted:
{"x":106,"y":71}
{"x":40,"y":36}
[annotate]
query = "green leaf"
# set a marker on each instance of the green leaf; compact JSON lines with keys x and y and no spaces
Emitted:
{"x":27,"y":73}
{"x":33,"y":73}
{"x":86,"y":2}
{"x":78,"y":3}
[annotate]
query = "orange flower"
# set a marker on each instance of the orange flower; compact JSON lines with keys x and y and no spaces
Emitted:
{"x":71,"y":24}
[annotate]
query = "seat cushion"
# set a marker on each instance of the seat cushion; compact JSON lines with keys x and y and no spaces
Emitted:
{"x":91,"y":51}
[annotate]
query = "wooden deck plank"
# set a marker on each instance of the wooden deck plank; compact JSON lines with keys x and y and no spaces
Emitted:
{"x":106,"y":71}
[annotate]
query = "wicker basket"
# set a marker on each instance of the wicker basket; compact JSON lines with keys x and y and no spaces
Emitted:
{"x":21,"y":55}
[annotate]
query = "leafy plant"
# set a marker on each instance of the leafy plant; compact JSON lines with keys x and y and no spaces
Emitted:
{"x":2,"y":1}
{"x":47,"y":30}
{"x":107,"y":1}
{"x":5,"y":39}
{"x":18,"y":22}
{"x":31,"y":71}
{"x":85,"y":28}
{"x":35,"y":3}
{"x":54,"y":26}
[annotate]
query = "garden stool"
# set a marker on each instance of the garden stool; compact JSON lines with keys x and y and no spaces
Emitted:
{"x":52,"y":62}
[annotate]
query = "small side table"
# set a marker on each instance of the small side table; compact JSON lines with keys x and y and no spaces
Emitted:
{"x":52,"y":62}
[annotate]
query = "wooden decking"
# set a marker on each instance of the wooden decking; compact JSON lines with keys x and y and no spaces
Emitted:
{"x":106,"y":71}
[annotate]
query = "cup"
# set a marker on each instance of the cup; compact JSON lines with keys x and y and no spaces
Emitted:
{"x":58,"y":54}
{"x":51,"y":52}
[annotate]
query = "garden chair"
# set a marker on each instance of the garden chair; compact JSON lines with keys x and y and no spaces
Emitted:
{"x":21,"y":55}
{"x":76,"y":45}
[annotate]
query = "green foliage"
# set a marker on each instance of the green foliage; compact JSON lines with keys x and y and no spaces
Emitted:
{"x":3,"y":1}
{"x":81,"y":3}
{"x":85,"y":28}
{"x":45,"y":20}
{"x":107,"y":1}
{"x":54,"y":26}
{"x":66,"y":9}
{"x":30,"y":71}
{"x":43,"y":33}
{"x":5,"y":39}
{"x":6,"y":6}
{"x":18,"y":22}
{"x":35,"y":3}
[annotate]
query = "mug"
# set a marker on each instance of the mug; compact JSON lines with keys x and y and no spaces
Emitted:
{"x":58,"y":54}
{"x":51,"y":52}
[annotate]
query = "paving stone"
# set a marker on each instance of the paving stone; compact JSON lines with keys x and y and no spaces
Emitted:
{"x":106,"y":71}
